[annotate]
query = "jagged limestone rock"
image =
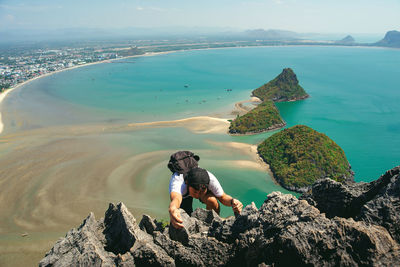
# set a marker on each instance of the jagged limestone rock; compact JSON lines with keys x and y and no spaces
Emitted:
{"x":206,"y":216}
{"x":121,"y":230}
{"x":377,"y":202}
{"x":147,"y":224}
{"x":285,"y":231}
{"x":80,"y":247}
{"x":384,"y":208}
{"x":149,"y":254}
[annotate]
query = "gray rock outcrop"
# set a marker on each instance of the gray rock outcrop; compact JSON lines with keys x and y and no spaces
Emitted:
{"x":377,"y":202}
{"x":350,"y":224}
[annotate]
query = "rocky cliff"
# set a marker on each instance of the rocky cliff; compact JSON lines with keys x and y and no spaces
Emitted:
{"x":334,"y":224}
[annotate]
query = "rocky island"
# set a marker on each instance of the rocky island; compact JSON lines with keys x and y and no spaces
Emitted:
{"x":299,"y":156}
{"x":285,"y":87}
{"x":334,"y":224}
{"x":391,"y":39}
{"x":262,"y":118}
{"x":265,"y":117}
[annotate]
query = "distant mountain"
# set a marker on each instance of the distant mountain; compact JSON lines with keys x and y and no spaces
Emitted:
{"x":392,"y":39}
{"x":68,"y":34}
{"x":271,"y":34}
{"x":346,"y":40}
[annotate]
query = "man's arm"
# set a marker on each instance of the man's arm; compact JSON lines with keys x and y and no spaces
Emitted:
{"x":174,"y":214}
{"x":229,"y":201}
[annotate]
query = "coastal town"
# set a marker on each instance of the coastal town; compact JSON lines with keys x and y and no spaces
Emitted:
{"x":21,"y":65}
{"x":18,"y":65}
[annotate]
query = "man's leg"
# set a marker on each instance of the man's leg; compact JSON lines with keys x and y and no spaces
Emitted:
{"x":187,"y":205}
{"x":211,"y":202}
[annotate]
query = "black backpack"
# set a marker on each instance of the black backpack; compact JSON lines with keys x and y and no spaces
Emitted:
{"x":182,"y":162}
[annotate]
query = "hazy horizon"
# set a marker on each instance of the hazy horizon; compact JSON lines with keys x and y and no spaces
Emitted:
{"x":307,"y":16}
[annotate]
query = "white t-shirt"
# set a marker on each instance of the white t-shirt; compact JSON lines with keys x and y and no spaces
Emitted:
{"x":178,"y":185}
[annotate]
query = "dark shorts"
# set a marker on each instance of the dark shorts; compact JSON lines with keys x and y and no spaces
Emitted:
{"x":187,"y":205}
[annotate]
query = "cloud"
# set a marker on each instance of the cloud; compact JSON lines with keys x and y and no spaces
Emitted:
{"x":9,"y":18}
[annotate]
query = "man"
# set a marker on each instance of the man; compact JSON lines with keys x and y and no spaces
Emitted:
{"x":199,"y":184}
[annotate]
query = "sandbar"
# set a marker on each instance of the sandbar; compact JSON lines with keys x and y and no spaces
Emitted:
{"x":241,"y":109}
{"x":199,"y":124}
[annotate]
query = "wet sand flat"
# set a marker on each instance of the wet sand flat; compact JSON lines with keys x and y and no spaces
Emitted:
{"x":51,"y":178}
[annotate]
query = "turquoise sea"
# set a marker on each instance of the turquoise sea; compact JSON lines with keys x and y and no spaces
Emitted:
{"x":355,"y":94}
{"x":68,"y":147}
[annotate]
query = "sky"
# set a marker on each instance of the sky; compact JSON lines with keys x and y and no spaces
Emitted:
{"x":322,"y":16}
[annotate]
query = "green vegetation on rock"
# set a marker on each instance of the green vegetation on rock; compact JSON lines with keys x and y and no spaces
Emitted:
{"x":298,"y":156}
{"x":285,"y":87}
{"x":263,"y":117}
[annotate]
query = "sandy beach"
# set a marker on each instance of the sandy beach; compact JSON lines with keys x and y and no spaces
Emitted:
{"x":6,"y":92}
{"x":2,"y":96}
{"x":241,"y":109}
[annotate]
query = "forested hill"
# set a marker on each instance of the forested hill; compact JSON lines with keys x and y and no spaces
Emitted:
{"x":264,"y":117}
{"x":285,"y":87}
{"x":298,"y":156}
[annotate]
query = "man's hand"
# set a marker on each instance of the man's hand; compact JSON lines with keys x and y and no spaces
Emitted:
{"x":175,"y":218}
{"x":236,"y":206}
{"x":174,"y":214}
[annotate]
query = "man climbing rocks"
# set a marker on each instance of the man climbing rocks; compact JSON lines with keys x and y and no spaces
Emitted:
{"x":190,"y":182}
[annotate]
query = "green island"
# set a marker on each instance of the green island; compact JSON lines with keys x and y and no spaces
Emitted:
{"x":298,"y":156}
{"x":266,"y":117}
{"x":258,"y":119}
{"x":285,"y":87}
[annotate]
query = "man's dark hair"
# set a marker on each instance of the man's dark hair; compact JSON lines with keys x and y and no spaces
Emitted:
{"x":198,"y":178}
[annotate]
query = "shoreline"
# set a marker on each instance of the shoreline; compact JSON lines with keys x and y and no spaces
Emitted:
{"x":239,"y":105}
{"x":9,"y":90}
{"x":2,"y":96}
{"x":271,"y":129}
{"x":4,"y":93}
{"x":202,"y":123}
